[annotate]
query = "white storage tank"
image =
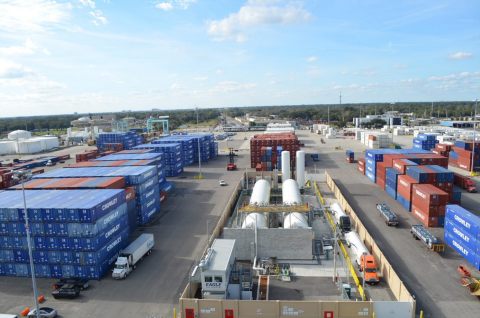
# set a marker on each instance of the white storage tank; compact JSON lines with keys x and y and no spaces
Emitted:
{"x":291,"y":196}
{"x":7,"y":147}
{"x":19,"y":134}
{"x":300,"y":172}
{"x":286,"y":173}
{"x":260,"y":197}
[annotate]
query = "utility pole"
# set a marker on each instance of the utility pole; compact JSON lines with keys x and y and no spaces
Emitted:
{"x":335,"y":255}
{"x":328,"y":115}
{"x":472,"y":171}
{"x":200,"y":176}
{"x":431,"y":111}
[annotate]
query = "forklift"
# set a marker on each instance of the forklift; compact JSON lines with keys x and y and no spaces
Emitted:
{"x":231,"y":166}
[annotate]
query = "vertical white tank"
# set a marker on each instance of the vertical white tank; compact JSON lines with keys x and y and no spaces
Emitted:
{"x":260,"y":196}
{"x":286,"y":174}
{"x":291,"y":196}
{"x":300,"y":173}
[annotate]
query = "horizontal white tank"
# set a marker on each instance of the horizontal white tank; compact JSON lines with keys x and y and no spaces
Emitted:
{"x":356,"y":244}
{"x":290,"y":192}
{"x":260,"y":193}
{"x":337,"y":211}
{"x":291,"y":195}
{"x":260,"y":196}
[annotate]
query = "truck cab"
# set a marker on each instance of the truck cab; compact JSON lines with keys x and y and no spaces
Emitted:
{"x":122,"y":268}
{"x":369,"y":265}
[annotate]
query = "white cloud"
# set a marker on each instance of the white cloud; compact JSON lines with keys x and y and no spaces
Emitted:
{"x":175,"y":4}
{"x":98,"y":17}
{"x":165,"y":6}
{"x":460,"y":56}
{"x":456,"y":76}
{"x":253,"y":14}
{"x":200,"y":78}
{"x":88,"y":3}
{"x":12,"y":70}
{"x":31,"y":15}
{"x":28,"y":48}
{"x":312,"y":59}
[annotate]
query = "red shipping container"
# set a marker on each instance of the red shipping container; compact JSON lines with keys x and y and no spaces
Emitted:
{"x":404,"y":186}
{"x":443,"y":147}
{"x":388,"y":159}
{"x":401,"y":165}
{"x":427,"y":195}
{"x":465,"y":163}
{"x":129,"y":193}
{"x":361,"y":169}
{"x":425,"y":218}
{"x":361,"y":162}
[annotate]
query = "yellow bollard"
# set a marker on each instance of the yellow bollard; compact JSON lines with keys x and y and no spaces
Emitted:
{"x":174,"y":312}
{"x":421,"y":313}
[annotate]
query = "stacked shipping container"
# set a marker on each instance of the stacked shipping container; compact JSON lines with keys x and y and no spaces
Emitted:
{"x":462,"y":233}
{"x":425,"y":141}
{"x":116,"y":140}
{"x":461,"y":155}
{"x":75,"y":233}
{"x":144,"y":179}
{"x":398,"y":172}
{"x":172,"y":156}
{"x":277,"y":142}
{"x":428,"y":204}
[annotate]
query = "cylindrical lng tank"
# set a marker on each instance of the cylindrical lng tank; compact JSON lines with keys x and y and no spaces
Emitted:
{"x":291,"y":196}
{"x":260,"y":196}
{"x":356,"y":244}
{"x":286,"y":174}
{"x":300,"y":173}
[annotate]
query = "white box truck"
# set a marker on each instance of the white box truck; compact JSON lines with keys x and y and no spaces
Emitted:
{"x":129,"y":257}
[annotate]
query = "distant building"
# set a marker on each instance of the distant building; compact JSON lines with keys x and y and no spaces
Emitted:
{"x":102,"y":121}
{"x":457,"y":124}
{"x":391,"y":118}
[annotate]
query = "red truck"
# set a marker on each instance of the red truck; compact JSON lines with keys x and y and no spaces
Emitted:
{"x":465,"y":182}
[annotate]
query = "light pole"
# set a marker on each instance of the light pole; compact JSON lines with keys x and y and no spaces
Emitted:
{"x":335,"y":255}
{"x":200,"y":176}
{"x":21,"y":175}
{"x":472,"y":171}
{"x":363,"y":282}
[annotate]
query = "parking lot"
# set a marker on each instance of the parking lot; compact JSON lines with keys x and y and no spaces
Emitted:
{"x":152,"y":290}
{"x":431,"y":277}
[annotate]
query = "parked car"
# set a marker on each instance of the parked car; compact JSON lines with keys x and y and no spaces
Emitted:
{"x":222,"y":183}
{"x":77,"y":282}
{"x":69,"y":291}
{"x":45,"y":312}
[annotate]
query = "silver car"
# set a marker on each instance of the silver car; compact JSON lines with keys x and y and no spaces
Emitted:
{"x":45,"y":312}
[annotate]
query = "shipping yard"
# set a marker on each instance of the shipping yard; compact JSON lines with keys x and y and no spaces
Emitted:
{"x":279,"y":238}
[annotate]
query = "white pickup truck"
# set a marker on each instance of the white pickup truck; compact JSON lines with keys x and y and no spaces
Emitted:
{"x":132,"y":254}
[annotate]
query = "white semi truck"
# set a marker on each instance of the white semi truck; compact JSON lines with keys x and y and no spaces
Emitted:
{"x":132,"y":254}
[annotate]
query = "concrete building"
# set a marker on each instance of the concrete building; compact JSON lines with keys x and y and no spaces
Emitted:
{"x":392,"y":118}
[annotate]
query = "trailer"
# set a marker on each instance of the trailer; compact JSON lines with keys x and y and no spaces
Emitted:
{"x":390,"y":217}
{"x":342,"y":220}
{"x":130,"y":256}
{"x":465,"y":183}
{"x":419,"y":232}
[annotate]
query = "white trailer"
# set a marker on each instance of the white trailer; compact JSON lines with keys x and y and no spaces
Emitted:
{"x":129,"y":257}
{"x":355,"y":243}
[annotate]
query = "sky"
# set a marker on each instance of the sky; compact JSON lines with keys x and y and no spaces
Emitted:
{"x":60,"y":57}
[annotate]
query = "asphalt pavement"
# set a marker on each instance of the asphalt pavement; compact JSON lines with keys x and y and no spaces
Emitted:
{"x":431,"y":277}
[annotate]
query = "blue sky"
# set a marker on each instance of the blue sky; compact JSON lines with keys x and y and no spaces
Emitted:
{"x":108,"y":55}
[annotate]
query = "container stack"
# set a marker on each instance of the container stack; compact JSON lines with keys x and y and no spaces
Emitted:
{"x":172,"y":156}
{"x":75,"y":233}
{"x":361,"y":165}
{"x":462,"y":233}
{"x":350,"y":156}
{"x":399,"y":171}
{"x":127,"y":140}
{"x":143,"y":179}
{"x":87,"y":155}
{"x":425,"y":141}
{"x":461,"y":155}
{"x":288,"y":142}
{"x":428,"y":204}
{"x":6,"y":178}
{"x":442,"y":149}
{"x":188,"y":146}
{"x":135,"y":159}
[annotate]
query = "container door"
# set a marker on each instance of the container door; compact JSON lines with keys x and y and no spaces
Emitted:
{"x":229,"y":313}
{"x":189,"y":313}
